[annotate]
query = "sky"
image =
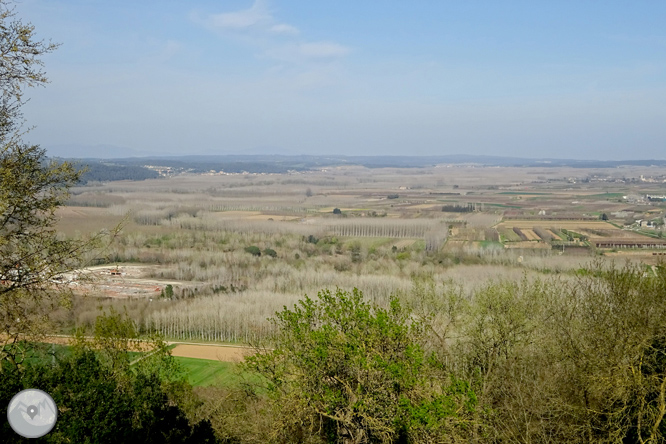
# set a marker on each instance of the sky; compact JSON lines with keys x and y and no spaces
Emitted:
{"x":558,"y":79}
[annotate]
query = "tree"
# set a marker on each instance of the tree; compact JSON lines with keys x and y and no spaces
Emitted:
{"x":20,"y":67}
{"x":581,"y":359}
{"x":32,"y":255}
{"x":614,"y":322}
{"x":103,"y":397}
{"x":337,"y":211}
{"x":355,"y":373}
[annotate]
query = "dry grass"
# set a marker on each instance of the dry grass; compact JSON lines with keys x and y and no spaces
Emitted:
{"x":193,"y":230}
{"x":211,"y":352}
{"x":566,"y":224}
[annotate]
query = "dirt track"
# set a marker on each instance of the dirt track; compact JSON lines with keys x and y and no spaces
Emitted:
{"x":211,"y":352}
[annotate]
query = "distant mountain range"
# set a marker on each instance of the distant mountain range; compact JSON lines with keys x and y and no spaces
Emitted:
{"x":281,"y":163}
{"x":105,"y":151}
{"x":269,"y":155}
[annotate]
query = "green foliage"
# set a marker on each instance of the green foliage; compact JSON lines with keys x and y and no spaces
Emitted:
{"x":311,"y":239}
{"x":270,"y":252}
{"x":615,"y":321}
{"x":337,"y":211}
{"x":356,"y":372}
{"x":458,"y":208}
{"x":355,"y":250}
{"x":32,"y":255}
{"x":21,"y":66}
{"x":102,"y":397}
{"x":99,"y":172}
{"x":253,"y":250}
{"x":582,"y":357}
{"x":96,"y":406}
{"x":115,"y":338}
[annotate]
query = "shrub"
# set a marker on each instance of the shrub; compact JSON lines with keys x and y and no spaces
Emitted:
{"x":311,"y":239}
{"x":351,"y":371}
{"x":270,"y":252}
{"x":253,"y":250}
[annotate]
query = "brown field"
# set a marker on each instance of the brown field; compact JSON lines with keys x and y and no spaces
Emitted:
{"x":76,"y":220}
{"x":646,"y":257}
{"x":273,"y":217}
{"x":615,"y":234}
{"x":555,"y":236}
{"x":531,"y":235}
{"x":211,"y":352}
{"x":136,"y":346}
{"x":427,"y":206}
{"x":528,"y":245}
{"x":591,"y":229}
{"x":568,"y":224}
{"x":482,"y":220}
{"x":233,"y":214}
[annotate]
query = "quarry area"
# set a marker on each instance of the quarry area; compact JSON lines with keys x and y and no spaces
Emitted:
{"x":122,"y":282}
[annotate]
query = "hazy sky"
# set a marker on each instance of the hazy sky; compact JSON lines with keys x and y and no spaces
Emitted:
{"x":574,"y":79}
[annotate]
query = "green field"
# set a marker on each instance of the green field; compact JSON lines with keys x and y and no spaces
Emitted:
{"x":601,"y":195}
{"x":499,"y":205}
{"x":199,"y":372}
{"x":508,"y":235}
{"x":203,"y":372}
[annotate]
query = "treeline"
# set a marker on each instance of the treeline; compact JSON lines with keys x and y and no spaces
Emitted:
{"x":104,"y":172}
{"x":103,"y":393}
{"x":579,"y":359}
{"x":458,"y":208}
{"x":204,"y":164}
{"x":406,"y":228}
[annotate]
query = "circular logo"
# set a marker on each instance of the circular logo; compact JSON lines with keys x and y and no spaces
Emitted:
{"x":32,"y":413}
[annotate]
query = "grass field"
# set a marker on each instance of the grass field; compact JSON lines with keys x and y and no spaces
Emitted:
{"x":602,"y":196}
{"x":199,"y":372}
{"x":203,"y":372}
